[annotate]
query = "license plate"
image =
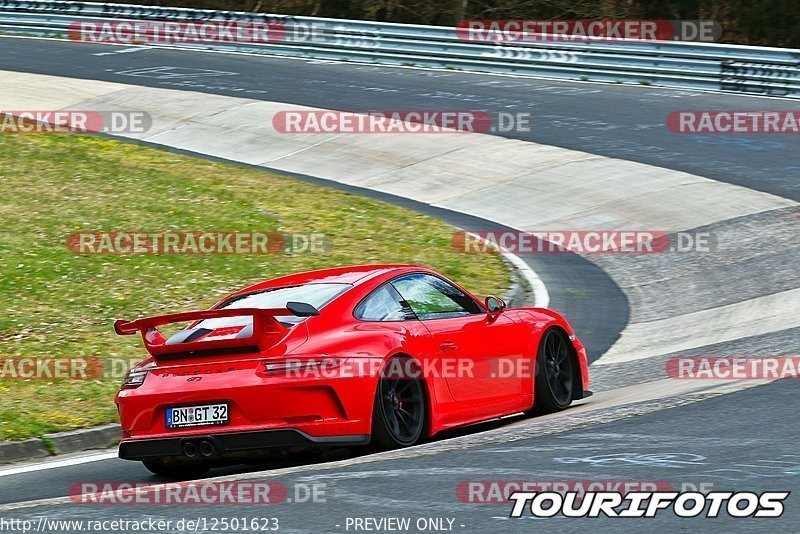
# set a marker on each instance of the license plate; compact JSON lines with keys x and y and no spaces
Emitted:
{"x":207,"y":414}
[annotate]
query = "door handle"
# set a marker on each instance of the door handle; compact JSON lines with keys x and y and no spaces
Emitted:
{"x":448,"y":345}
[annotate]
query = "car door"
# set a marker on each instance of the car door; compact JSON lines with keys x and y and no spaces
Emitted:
{"x":476,"y":352}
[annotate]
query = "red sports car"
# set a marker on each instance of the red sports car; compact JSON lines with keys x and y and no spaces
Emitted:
{"x":381,"y":354}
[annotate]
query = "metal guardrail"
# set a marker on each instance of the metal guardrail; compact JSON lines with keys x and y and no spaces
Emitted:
{"x":734,"y":68}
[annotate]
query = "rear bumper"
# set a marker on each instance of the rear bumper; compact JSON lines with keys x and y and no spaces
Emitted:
{"x":229,"y":444}
{"x":317,"y":404}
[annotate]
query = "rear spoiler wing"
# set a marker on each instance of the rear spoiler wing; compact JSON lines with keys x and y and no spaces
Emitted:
{"x":265,"y":328}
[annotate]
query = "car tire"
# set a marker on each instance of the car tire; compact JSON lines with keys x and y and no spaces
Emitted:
{"x":176,"y":471}
{"x":400,"y":411}
{"x":554,"y":378}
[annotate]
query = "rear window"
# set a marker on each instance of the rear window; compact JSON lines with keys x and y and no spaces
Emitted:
{"x":318,"y":295}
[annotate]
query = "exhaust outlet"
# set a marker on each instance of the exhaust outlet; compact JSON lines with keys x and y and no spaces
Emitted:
{"x":206,"y":449}
{"x":189,"y":450}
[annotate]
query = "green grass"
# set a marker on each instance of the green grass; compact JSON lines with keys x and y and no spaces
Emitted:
{"x":59,"y":304}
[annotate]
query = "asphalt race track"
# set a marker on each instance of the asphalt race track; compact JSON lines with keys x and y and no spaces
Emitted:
{"x":742,"y":440}
{"x":685,"y":447}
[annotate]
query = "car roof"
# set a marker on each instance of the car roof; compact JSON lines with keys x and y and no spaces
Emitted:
{"x":353,"y":274}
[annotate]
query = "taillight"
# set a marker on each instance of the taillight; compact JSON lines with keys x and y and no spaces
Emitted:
{"x":304,"y":368}
{"x":134,"y":378}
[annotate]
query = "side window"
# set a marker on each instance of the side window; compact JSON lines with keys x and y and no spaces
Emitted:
{"x":433,"y":298}
{"x":381,"y":305}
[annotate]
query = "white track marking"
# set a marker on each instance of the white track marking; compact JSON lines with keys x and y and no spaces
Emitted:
{"x":96,"y":457}
{"x":541,"y":297}
{"x":123,"y":51}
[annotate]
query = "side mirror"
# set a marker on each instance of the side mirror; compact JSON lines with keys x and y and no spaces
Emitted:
{"x":495,"y":305}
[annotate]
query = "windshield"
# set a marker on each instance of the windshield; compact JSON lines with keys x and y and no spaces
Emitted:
{"x":315,"y":294}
